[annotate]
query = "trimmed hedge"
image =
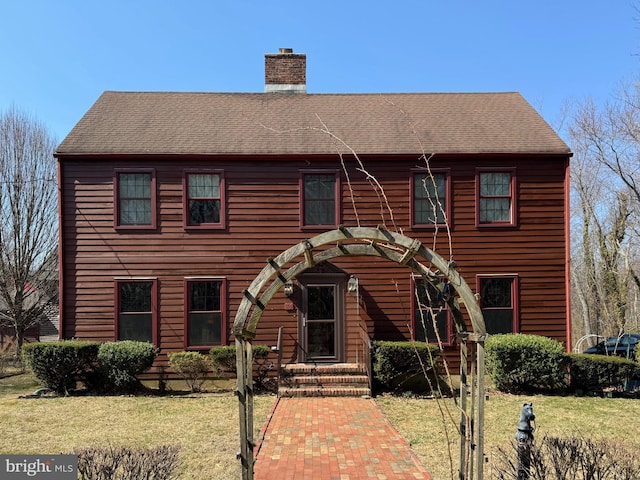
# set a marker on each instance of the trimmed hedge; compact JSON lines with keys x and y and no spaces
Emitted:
{"x":121,"y":363}
{"x":61,"y":364}
{"x":520,"y":363}
{"x":223,"y":358}
{"x":192,"y":366}
{"x":594,"y":373}
{"x":396,"y":365}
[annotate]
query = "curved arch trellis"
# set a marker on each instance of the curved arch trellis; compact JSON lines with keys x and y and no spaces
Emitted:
{"x":366,"y":241}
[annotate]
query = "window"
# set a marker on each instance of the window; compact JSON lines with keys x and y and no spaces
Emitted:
{"x":136,"y":307}
{"x":498,"y":299}
{"x":496,"y":199}
{"x":320,"y":207}
{"x":204,"y":199}
{"x":430,"y":198}
{"x":135,"y":199}
{"x":205,"y":312}
{"x":430,"y":313}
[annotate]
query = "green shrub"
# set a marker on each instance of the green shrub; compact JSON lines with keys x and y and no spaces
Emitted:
{"x":223,"y":358}
{"x":520,"y":363}
{"x":594,"y":373}
{"x":397,"y":365}
{"x":124,"y":463}
{"x":122,"y":362}
{"x":59,"y":365}
{"x":192,"y":366}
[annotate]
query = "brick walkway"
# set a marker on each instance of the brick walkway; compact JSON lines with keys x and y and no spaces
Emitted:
{"x":333,"y":439}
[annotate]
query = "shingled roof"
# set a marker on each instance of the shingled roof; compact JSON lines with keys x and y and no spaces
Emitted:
{"x":168,"y":123}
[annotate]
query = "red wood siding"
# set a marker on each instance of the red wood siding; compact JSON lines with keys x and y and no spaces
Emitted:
{"x":262,"y":220}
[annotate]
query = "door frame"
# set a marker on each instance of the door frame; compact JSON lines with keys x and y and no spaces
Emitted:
{"x":340,"y":283}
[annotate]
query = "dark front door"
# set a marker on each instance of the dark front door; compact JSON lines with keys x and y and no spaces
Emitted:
{"x":321,"y":321}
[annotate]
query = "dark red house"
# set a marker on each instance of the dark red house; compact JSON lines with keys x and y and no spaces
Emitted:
{"x":171,"y":203}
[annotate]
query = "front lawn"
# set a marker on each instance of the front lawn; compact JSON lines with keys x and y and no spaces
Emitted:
{"x":421,"y":423}
{"x":206,"y":425}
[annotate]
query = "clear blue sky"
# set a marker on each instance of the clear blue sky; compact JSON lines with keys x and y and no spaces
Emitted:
{"x":58,"y":56}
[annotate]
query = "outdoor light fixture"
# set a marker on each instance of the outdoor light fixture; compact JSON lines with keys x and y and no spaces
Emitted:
{"x":288,"y":288}
{"x":352,"y":285}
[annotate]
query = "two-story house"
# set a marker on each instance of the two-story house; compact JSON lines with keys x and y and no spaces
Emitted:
{"x":171,"y":203}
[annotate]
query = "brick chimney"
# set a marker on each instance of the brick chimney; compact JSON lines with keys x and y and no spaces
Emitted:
{"x":285,"y":72}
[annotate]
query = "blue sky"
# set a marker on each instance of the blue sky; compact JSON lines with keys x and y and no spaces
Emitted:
{"x":58,"y":56}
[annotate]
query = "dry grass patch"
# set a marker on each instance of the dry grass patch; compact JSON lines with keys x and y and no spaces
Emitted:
{"x":420,"y":422}
{"x":204,"y":425}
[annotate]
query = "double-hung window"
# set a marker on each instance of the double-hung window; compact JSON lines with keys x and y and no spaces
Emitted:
{"x":135,"y":199}
{"x":431,"y":316}
{"x":430,"y":198}
{"x":136,"y":309}
{"x":495,"y":205}
{"x":320,"y":205}
{"x":499,"y":302}
{"x":203,"y":199}
{"x":205,"y":312}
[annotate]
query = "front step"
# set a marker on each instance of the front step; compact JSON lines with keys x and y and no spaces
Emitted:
{"x":324,"y":380}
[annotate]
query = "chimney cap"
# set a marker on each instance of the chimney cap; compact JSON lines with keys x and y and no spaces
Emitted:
{"x":285,"y":50}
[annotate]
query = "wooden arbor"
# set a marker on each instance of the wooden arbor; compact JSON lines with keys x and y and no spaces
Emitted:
{"x":365,"y":241}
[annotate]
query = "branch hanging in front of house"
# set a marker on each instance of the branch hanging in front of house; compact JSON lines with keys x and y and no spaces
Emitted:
{"x":373,"y":181}
{"x":436,"y":204}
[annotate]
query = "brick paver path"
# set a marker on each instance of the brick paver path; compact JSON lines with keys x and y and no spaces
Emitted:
{"x":333,"y":439}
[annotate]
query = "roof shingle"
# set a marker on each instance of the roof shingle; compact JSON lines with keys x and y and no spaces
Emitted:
{"x":135,"y":123}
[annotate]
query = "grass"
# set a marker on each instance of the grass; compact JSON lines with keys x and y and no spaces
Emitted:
{"x":206,"y":425}
{"x":420,"y":421}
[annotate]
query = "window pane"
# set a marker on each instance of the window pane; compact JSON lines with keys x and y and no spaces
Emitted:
{"x":319,"y":199}
{"x":136,"y":326}
{"x":320,"y":301}
{"x":135,"y":318}
{"x":135,"y":185}
{"x":497,"y":304}
{"x":134,"y":203}
{"x":204,"y":296}
{"x":205,"y":313}
{"x":495,"y":184}
{"x":318,"y":212}
{"x":204,"y":185}
{"x":429,"y":198}
{"x":135,"y":212}
{"x":321,"y":339}
{"x":430,"y":304}
{"x":496,"y":292}
{"x":498,"y":321}
{"x":135,"y":297}
{"x":204,"y":211}
{"x":204,"y":198}
{"x":495,"y":197}
{"x":495,"y":209}
{"x":205,"y":329}
{"x":319,"y":187}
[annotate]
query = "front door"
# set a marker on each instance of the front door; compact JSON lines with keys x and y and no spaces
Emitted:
{"x":321,"y":320}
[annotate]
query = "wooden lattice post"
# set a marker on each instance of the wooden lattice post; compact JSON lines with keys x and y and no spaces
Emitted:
{"x":244,"y":374}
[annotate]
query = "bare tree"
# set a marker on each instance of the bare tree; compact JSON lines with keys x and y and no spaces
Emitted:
{"x":29,"y":222}
{"x":606,"y":186}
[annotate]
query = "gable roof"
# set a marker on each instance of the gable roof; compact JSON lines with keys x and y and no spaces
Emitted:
{"x":143,"y":123}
